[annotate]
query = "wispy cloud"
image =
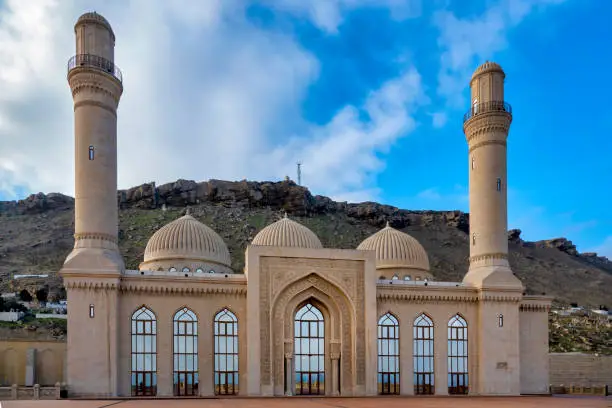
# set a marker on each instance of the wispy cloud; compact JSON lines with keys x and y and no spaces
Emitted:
{"x":468,"y":41}
{"x":207,"y":94}
{"x":328,"y":15}
{"x":440,"y":199}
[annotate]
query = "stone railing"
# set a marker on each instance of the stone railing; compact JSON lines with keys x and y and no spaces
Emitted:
{"x":579,"y":389}
{"x":36,"y":392}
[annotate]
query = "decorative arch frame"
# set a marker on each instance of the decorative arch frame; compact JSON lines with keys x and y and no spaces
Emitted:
{"x":339,"y":316}
{"x":424,"y":355}
{"x":458,"y":355}
{"x":226,"y":353}
{"x":388,"y":355}
{"x":186,"y":353}
{"x":143,"y":352}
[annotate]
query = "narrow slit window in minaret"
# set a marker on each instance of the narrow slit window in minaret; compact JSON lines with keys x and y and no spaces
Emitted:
{"x":91,"y":311}
{"x":500,"y":320}
{"x":473,"y":163}
{"x":91,"y":152}
{"x":498,"y":184}
{"x":474,"y":238}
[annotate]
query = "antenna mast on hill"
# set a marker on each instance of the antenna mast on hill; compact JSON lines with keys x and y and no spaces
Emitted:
{"x":299,"y":173}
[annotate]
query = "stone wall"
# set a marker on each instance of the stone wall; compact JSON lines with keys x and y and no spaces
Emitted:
{"x":47,"y":359}
{"x":580,"y":369}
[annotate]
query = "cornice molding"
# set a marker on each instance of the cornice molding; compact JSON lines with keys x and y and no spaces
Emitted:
{"x":189,"y":290}
{"x":422,"y":298}
{"x":91,"y":285}
{"x":492,"y":255}
{"x":83,"y":78}
{"x":95,"y":235}
{"x":534,"y":307}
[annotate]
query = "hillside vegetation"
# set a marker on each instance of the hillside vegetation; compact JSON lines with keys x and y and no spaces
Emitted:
{"x":36,"y":233}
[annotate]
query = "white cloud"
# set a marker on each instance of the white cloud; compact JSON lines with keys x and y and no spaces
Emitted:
{"x":206,"y":95}
{"x":438,"y":119}
{"x":430,"y":194}
{"x":468,"y":42}
{"x":328,"y":15}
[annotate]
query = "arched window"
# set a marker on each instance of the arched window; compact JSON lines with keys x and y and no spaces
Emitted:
{"x":226,"y":353}
{"x":473,"y":163}
{"x":382,"y":277}
{"x":388,"y":355}
{"x":475,"y":106}
{"x":172,"y":269}
{"x":423,"y":355}
{"x":199,"y":270}
{"x":407,"y":277}
{"x":211,"y":271}
{"x":185,"y":269}
{"x":457,"y":356}
{"x":474,"y":238}
{"x":309,"y":351}
{"x":91,"y":152}
{"x":395,"y":277}
{"x":185,"y":371}
{"x":144,"y":352}
{"x":498,"y":184}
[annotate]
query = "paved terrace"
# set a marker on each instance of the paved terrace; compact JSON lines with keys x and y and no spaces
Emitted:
{"x":300,"y":402}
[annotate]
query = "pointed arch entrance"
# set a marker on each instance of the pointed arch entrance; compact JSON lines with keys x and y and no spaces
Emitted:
{"x":333,"y":317}
{"x":309,"y":346}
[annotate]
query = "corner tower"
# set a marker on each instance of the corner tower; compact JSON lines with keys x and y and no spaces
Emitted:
{"x":486,"y":126}
{"x":93,"y":269}
{"x":96,"y":88}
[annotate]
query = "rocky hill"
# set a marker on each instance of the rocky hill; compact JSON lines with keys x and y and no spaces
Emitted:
{"x":36,"y":233}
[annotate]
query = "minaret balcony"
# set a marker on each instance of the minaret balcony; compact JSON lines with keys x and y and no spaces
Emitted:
{"x":487,"y":107}
{"x":95,"y":62}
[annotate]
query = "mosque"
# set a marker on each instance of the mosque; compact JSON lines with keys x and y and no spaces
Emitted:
{"x":300,"y":319}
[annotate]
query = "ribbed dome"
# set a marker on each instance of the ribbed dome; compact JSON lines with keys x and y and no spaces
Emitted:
{"x":287,"y":233}
{"x":488,"y":66}
{"x":187,"y":238}
{"x":396,"y":249}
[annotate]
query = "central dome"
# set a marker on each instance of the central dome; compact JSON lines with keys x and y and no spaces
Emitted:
{"x":186,"y":239}
{"x":287,"y":233}
{"x":396,"y":249}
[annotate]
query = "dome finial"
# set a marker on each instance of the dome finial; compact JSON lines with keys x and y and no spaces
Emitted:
{"x":285,"y":215}
{"x":188,"y":211}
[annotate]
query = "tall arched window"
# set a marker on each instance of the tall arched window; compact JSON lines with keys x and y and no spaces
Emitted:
{"x":185,"y":371}
{"x":309,"y":351}
{"x":457,"y":356}
{"x":423,"y":355}
{"x":144,"y":352}
{"x":226,"y":353}
{"x":388,"y":355}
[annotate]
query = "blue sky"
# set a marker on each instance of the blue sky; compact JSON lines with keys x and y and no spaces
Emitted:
{"x":368,"y":94}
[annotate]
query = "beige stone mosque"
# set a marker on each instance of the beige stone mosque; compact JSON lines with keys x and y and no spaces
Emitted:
{"x":300,"y":319}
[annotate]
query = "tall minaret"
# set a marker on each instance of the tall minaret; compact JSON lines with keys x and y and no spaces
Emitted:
{"x":486,"y":127}
{"x":96,"y":87}
{"x":497,"y":336}
{"x":92,"y":271}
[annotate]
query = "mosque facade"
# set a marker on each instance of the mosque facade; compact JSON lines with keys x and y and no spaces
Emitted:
{"x":300,"y":319}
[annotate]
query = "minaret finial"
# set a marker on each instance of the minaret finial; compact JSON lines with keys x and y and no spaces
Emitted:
{"x":285,"y":216}
{"x":387,"y":226}
{"x":188,"y":211}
